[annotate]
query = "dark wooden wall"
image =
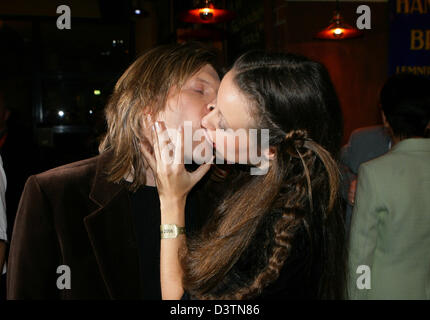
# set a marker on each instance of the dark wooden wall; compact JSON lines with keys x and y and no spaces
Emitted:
{"x":358,"y":67}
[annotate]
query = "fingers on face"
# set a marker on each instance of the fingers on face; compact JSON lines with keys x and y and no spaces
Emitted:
{"x":155,"y":145}
{"x":179,"y":145}
{"x":148,"y":154}
{"x":198,"y":174}
{"x":169,"y":151}
{"x":164,"y":143}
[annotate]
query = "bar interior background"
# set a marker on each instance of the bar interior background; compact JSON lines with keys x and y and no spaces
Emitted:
{"x":64,"y":77}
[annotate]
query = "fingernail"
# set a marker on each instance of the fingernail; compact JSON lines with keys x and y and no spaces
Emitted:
{"x":157,"y":125}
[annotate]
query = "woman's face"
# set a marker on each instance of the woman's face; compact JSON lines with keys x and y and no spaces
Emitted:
{"x":227,"y":123}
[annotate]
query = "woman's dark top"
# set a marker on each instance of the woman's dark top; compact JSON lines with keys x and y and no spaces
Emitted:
{"x":299,"y":276}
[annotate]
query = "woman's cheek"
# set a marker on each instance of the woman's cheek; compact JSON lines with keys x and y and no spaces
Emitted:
{"x":242,"y":146}
{"x":232,"y":147}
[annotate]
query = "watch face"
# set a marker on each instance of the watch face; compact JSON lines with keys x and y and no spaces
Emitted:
{"x":174,"y":231}
{"x":168,"y":231}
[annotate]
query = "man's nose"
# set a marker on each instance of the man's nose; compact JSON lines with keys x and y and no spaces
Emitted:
{"x":207,"y":120}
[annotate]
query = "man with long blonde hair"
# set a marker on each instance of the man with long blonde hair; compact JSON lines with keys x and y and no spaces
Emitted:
{"x":90,"y":229}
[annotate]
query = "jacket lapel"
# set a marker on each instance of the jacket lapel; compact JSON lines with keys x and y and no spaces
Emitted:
{"x":111,"y":232}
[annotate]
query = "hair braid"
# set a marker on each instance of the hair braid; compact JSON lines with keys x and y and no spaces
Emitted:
{"x":285,"y":230}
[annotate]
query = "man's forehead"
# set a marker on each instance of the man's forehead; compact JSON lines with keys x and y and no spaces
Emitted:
{"x":207,"y":73}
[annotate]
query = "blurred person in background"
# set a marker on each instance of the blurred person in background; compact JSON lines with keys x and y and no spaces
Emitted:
{"x":364,"y":145}
{"x":17,"y":148}
{"x":19,"y":155}
{"x":390,"y":228}
{"x":3,"y":233}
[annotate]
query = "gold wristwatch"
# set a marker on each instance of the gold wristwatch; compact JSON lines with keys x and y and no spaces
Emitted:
{"x":170,"y":231}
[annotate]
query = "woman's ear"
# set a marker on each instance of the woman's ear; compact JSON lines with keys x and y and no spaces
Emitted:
{"x":270,"y":153}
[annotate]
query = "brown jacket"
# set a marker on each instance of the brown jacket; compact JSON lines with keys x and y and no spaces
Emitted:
{"x":73,"y":216}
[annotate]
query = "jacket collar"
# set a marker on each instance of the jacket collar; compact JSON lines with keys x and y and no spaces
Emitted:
{"x":112,"y":235}
{"x":103,"y":191}
{"x":413,"y":145}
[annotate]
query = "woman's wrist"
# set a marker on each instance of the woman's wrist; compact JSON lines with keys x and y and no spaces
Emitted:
{"x":173,"y":211}
{"x":173,"y":202}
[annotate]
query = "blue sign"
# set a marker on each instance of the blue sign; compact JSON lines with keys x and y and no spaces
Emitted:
{"x":409,"y":37}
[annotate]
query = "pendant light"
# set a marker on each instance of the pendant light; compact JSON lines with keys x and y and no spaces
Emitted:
{"x":338,"y":29}
{"x":206,"y":13}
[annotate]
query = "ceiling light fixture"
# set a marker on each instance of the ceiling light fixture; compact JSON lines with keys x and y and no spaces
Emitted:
{"x":338,"y":29}
{"x":206,"y":13}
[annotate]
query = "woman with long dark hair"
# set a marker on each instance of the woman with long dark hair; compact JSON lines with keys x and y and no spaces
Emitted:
{"x":273,"y":235}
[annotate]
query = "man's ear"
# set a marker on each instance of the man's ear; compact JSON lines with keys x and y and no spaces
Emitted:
{"x":270,"y":153}
{"x":387,"y":126}
{"x":385,"y":121}
{"x":427,"y":131}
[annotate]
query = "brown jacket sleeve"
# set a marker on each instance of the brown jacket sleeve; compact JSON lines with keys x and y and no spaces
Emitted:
{"x":34,"y":252}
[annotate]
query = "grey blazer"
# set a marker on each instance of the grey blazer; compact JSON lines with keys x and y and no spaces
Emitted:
{"x":390,"y":229}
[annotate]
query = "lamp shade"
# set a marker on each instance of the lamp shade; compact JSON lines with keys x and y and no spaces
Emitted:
{"x":338,"y":29}
{"x":207,"y":14}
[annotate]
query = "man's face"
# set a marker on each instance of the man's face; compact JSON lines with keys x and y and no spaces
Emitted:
{"x":191,"y":102}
